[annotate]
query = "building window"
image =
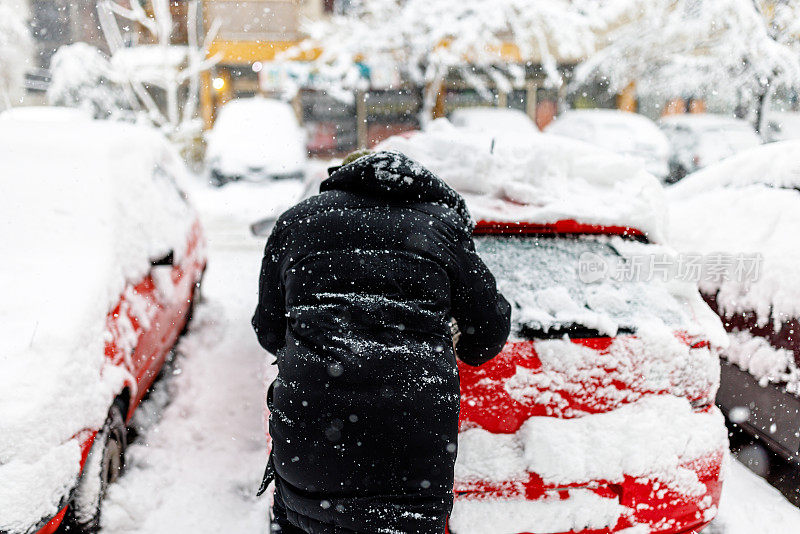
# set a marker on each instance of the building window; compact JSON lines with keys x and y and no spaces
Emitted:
{"x":340,"y":7}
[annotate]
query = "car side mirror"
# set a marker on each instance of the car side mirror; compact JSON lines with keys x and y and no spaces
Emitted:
{"x":263,"y":227}
{"x":165,"y":261}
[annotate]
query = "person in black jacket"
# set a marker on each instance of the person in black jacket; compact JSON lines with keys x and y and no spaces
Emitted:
{"x":358,"y":289}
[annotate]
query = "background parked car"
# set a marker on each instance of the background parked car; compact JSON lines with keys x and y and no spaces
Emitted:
{"x":628,"y":134}
{"x":748,"y":208}
{"x":500,"y":120}
{"x":101,"y":259}
{"x":256,"y":139}
{"x":782,"y":126}
{"x":700,"y":139}
{"x":598,"y":415}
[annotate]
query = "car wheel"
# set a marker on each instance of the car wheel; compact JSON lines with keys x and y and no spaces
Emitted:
{"x":104,"y":465}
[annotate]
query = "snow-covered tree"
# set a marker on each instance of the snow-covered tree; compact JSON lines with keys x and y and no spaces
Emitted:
{"x":83,"y":77}
{"x":16,"y":48}
{"x":425,"y":40}
{"x":723,"y":48}
{"x":163,"y":78}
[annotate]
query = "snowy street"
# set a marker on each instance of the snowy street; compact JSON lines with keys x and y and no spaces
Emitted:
{"x":197,"y":466}
{"x":527,"y":266}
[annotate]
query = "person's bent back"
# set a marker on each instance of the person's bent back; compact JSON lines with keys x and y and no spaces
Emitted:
{"x":358,"y":288}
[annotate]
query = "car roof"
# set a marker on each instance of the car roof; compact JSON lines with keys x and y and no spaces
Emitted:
{"x":605,"y":116}
{"x":704,"y":120}
{"x":541,"y":179}
{"x":494,"y":119}
{"x":248,"y":117}
{"x":85,"y":207}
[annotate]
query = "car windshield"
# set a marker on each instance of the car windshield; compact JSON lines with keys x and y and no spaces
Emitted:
{"x":539,"y":275}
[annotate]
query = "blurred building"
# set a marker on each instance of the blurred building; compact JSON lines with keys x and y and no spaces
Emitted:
{"x":252,"y":32}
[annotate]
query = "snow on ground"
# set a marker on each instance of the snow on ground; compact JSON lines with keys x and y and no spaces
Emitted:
{"x":751,"y":505}
{"x":197,"y":466}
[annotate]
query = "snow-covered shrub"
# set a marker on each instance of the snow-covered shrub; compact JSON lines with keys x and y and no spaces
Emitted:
{"x":16,"y":47}
{"x":82,"y":77}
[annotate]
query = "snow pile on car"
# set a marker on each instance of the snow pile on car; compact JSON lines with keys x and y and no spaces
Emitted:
{"x":746,"y":205}
{"x":765,"y":362}
{"x":85,"y":208}
{"x":538,"y":178}
{"x":255,"y":136}
{"x":774,"y":165}
{"x":630,"y":442}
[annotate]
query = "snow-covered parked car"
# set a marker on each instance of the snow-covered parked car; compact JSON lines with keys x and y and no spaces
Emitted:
{"x":599,"y":414}
{"x":745,"y":211}
{"x":498,"y":120}
{"x":256,"y":139}
{"x":629,"y":134}
{"x":782,"y":126}
{"x":701,"y":139}
{"x":101,"y":258}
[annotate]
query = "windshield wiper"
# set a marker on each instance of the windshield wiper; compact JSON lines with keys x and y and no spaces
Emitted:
{"x":574,"y":331}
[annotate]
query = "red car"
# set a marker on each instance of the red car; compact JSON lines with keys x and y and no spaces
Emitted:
{"x":571,"y":429}
{"x":105,"y":256}
{"x":598,"y":416}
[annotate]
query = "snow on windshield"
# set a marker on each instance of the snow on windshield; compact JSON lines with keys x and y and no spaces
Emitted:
{"x":539,"y":276}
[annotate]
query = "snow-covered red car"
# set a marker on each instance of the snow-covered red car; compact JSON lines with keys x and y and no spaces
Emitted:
{"x":102,"y":256}
{"x":598,"y":416}
{"x":744,"y":212}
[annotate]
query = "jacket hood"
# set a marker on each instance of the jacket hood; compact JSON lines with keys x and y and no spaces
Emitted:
{"x":396,"y":176}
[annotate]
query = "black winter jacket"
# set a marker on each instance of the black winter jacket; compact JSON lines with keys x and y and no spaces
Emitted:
{"x":358,"y":287}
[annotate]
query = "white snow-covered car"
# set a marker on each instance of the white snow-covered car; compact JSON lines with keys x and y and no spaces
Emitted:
{"x":782,"y":126}
{"x":629,"y":134}
{"x":256,"y":139}
{"x":598,"y":415}
{"x":701,"y":139}
{"x":744,"y":214}
{"x":101,"y":256}
{"x":498,"y":120}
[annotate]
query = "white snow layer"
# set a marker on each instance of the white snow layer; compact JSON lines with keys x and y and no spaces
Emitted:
{"x":774,"y":164}
{"x":769,"y":365}
{"x":538,"y":178}
{"x":583,"y":509}
{"x":257,"y":135}
{"x":632,"y":440}
{"x":744,"y":219}
{"x":80,"y":216}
